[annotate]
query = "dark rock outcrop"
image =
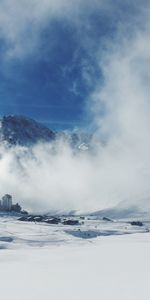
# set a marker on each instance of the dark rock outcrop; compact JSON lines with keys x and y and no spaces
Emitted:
{"x":71,"y":222}
{"x":136,"y":223}
{"x":48,"y":220}
{"x":107,"y":219}
{"x":53,"y":221}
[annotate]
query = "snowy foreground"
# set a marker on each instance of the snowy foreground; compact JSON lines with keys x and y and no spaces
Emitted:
{"x":97,"y":260}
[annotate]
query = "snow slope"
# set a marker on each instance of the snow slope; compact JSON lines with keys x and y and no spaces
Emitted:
{"x":61,"y":266}
{"x":111,"y":268}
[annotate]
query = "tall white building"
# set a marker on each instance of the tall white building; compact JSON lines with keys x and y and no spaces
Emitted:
{"x":7,"y":202}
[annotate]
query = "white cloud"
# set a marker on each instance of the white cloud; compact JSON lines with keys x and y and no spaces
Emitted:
{"x":120,"y":169}
{"x":21,"y":22}
{"x":125,"y":127}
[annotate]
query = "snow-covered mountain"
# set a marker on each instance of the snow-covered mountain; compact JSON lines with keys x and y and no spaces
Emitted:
{"x":21,"y":130}
{"x":24,"y":131}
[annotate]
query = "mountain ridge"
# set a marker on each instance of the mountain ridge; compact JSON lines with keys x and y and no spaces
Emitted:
{"x":25,"y":131}
{"x":22,"y":130}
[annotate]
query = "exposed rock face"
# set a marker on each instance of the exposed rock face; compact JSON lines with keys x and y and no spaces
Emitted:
{"x":53,"y":220}
{"x":24,"y":131}
{"x":48,"y":220}
{"x":136,"y":223}
{"x":71,"y":222}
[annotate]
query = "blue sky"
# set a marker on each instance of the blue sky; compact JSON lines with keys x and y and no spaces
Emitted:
{"x":48,"y":55}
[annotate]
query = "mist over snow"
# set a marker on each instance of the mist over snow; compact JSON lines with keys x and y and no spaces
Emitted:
{"x":50,"y":176}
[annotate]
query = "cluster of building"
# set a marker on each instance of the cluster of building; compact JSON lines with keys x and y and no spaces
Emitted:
{"x":6,"y":204}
